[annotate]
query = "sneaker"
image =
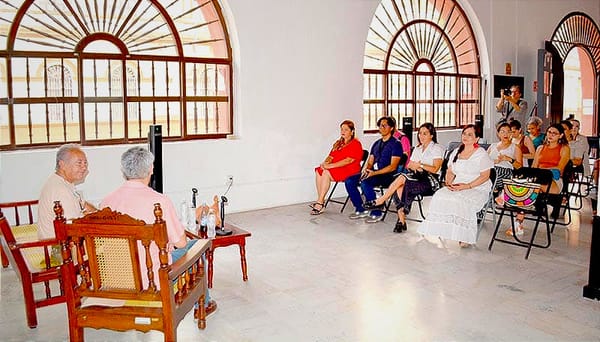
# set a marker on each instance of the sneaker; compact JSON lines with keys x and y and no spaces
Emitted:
{"x":371,"y":205}
{"x":374,"y":219}
{"x":359,"y":215}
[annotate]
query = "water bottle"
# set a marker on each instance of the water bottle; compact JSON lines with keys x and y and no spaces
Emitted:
{"x":191,"y":219}
{"x":211,"y":224}
{"x":184,"y":213}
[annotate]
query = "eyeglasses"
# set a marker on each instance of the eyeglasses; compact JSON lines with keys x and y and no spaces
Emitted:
{"x":384,"y":126}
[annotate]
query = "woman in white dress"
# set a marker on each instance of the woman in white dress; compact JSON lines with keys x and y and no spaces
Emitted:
{"x":453,"y":209}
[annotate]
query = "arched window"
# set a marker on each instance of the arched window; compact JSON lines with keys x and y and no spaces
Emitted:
{"x":101,"y":72}
{"x":421,"y":61}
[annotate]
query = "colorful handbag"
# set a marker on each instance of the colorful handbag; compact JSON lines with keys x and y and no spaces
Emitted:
{"x":519,"y":193}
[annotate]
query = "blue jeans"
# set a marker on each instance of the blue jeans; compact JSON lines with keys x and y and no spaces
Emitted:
{"x":368,"y":189}
{"x":179,"y":252}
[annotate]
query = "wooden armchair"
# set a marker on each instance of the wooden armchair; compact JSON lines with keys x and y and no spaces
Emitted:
{"x":29,"y":257}
{"x":104,"y":255}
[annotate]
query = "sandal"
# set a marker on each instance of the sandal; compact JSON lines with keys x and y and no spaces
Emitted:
{"x":464,"y":244}
{"x":319,"y":211}
{"x":519,"y":231}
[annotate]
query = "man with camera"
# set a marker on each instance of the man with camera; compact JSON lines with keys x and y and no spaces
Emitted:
{"x":511,"y":105}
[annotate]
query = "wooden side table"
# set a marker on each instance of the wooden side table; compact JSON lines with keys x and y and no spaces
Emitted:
{"x":238,"y":237}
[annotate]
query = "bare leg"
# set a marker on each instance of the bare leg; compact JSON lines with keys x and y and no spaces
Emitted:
{"x":397,"y":184}
{"x":401,"y":215}
{"x":323,"y":187}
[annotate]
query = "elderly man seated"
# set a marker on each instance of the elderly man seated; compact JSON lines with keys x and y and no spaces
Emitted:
{"x":137,"y":199}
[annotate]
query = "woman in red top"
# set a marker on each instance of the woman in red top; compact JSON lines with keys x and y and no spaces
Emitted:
{"x":342,"y":162}
{"x":554,"y":154}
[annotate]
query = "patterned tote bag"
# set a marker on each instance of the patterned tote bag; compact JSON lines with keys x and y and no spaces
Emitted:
{"x":521,"y":194}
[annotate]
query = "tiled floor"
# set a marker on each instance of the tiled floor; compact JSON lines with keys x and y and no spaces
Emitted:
{"x":328,"y":278}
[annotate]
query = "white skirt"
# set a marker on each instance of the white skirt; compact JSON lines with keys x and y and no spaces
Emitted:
{"x":452,"y":215}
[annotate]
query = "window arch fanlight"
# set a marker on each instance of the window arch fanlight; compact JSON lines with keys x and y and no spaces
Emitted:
{"x":578,"y":29}
{"x":101,"y":71}
{"x":421,"y":61}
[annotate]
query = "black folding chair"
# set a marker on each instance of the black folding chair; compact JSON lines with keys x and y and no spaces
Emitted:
{"x":537,"y":211}
{"x":489,"y":204}
{"x":365,"y":156}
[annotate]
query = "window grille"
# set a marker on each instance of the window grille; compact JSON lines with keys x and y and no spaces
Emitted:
{"x":102,"y":71}
{"x":421,"y":61}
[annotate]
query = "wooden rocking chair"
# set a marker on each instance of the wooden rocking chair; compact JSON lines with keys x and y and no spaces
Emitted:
{"x":102,"y":274}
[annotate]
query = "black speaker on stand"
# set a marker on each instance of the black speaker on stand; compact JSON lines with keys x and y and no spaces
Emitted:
{"x":407,"y":128}
{"x":479,"y":124}
{"x":155,"y":146}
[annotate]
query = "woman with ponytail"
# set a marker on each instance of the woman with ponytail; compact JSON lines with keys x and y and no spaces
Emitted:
{"x":343,"y":161}
{"x":453,"y":209}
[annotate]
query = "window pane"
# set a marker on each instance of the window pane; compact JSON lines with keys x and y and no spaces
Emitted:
{"x":445,"y":115}
{"x":103,"y":120}
{"x":469,"y":88}
{"x":168,"y":115}
{"x":423,"y":114}
{"x":373,"y":86}
{"x":32,"y":126}
{"x":372,"y":111}
{"x":3,"y":80}
{"x":4,"y":128}
{"x":400,"y":87}
{"x":207,"y":118}
{"x":207,"y":79}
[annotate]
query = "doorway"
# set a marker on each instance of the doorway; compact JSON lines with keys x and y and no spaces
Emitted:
{"x":575,"y":48}
{"x":578,"y":100}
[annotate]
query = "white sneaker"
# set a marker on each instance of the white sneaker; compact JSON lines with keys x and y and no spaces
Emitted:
{"x":374,"y":219}
{"x":359,"y":214}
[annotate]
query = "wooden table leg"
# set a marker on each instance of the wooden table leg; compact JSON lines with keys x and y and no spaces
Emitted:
{"x":209,"y":254}
{"x":243,"y":259}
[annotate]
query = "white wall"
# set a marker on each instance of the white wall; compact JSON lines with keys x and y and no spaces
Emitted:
{"x":298,"y":74}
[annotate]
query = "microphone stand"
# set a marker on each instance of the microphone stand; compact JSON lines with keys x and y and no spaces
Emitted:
{"x":194,"y":195}
{"x":222,"y":231}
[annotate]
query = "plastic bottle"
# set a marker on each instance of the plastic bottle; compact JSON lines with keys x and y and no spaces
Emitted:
{"x":184,"y":213}
{"x":211,"y":224}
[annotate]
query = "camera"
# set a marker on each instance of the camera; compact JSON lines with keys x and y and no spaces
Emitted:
{"x":506,"y":92}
